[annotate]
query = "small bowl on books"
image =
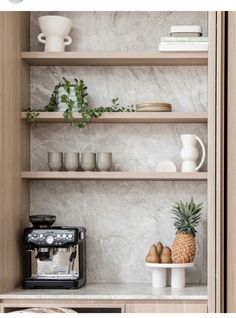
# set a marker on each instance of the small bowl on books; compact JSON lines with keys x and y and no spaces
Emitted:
{"x":153,"y":107}
{"x":186,"y":30}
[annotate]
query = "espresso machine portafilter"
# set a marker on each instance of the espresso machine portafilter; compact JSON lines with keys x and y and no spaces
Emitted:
{"x":57,"y":255}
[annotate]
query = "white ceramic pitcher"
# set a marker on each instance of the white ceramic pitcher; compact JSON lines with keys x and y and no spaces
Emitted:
{"x":189,"y":153}
{"x":55,"y":30}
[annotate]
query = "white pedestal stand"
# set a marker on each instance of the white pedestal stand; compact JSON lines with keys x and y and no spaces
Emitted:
{"x":159,"y":274}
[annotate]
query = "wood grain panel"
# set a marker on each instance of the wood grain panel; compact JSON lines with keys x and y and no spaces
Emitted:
{"x":211,"y":232}
{"x":115,"y":176}
{"x":128,"y":117}
{"x":168,"y":306}
{"x":231,"y":165}
{"x":110,"y":305}
{"x":14,"y":145}
{"x":220,"y":156}
{"x":128,"y":306}
{"x":115,"y":58}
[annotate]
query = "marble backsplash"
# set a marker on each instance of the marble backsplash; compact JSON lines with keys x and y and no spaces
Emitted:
{"x":119,"y":31}
{"x":184,"y":87}
{"x":122,"y":218}
{"x":135,"y":147}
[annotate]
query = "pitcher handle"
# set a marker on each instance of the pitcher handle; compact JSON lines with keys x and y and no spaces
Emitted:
{"x":68,"y":40}
{"x":42,"y":38}
{"x":203,"y":153}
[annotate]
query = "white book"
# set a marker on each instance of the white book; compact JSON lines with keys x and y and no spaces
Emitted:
{"x":184,"y":39}
{"x":182,"y":50}
{"x":183,"y":46}
{"x":184,"y":34}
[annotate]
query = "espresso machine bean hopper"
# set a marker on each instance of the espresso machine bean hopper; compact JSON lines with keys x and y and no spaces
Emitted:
{"x":56,"y":255}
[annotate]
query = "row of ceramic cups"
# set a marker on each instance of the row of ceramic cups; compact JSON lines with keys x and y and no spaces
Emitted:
{"x":74,"y":161}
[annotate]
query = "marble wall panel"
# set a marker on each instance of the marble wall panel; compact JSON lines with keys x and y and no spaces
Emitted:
{"x":122,"y":218}
{"x":119,"y":31}
{"x":135,"y":147}
{"x":184,"y":87}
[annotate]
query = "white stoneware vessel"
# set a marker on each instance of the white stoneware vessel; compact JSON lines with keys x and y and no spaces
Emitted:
{"x":55,"y":161}
{"x":62,"y":106}
{"x":104,"y":161}
{"x":55,"y":30}
{"x":71,"y":161}
{"x":88,"y":161}
{"x":189,"y":153}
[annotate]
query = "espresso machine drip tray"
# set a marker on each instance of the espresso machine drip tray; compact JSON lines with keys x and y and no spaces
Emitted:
{"x":56,"y":275}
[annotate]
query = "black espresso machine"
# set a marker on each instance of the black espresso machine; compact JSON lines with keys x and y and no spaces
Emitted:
{"x":56,"y":255}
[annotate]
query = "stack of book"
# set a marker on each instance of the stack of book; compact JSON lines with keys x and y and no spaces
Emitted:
{"x":185,"y":39}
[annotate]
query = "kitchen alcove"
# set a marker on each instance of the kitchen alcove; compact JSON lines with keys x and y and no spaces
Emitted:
{"x":119,"y":61}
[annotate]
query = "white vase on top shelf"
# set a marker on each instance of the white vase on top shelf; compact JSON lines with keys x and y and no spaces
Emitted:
{"x":55,"y":32}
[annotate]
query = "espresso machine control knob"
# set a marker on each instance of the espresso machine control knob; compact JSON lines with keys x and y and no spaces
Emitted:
{"x":49,"y":239}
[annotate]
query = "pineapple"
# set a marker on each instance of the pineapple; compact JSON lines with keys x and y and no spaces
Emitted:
{"x":186,"y":216}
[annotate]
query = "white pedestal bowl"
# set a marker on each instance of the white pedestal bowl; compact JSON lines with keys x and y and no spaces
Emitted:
{"x":159,"y":274}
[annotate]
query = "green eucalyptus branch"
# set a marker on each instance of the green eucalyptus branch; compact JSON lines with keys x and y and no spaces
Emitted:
{"x":31,"y":115}
{"x":87,"y":113}
{"x":51,"y":106}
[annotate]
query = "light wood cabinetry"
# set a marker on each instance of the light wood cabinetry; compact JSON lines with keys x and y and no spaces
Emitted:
{"x":112,"y":297}
{"x":119,"y":306}
{"x":168,"y":306}
{"x":126,"y":117}
{"x":98,"y":175}
{"x":231,"y":165}
{"x":220,"y":160}
{"x":14,"y":145}
{"x":14,"y":149}
{"x":94,"y":306}
{"x":215,"y":161}
{"x":115,"y":58}
{"x":211,"y":158}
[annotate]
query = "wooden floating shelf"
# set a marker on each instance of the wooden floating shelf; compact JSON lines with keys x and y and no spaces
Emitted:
{"x":129,"y":176}
{"x":128,"y":117}
{"x":114,"y":58}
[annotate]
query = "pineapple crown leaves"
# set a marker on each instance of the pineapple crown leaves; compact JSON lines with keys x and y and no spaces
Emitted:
{"x":187,"y":216}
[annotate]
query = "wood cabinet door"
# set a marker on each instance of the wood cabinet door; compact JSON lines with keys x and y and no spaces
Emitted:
{"x":14,"y":146}
{"x":167,"y":307}
{"x":231,"y":165}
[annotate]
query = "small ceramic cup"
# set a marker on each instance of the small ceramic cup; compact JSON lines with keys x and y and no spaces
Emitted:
{"x":88,"y":161}
{"x":55,"y":161}
{"x":71,"y":161}
{"x":104,"y":161}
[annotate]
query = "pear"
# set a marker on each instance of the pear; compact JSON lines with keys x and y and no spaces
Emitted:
{"x":159,"y":248}
{"x":166,"y":250}
{"x":152,"y":256}
{"x":165,"y":259}
{"x":166,"y":255}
